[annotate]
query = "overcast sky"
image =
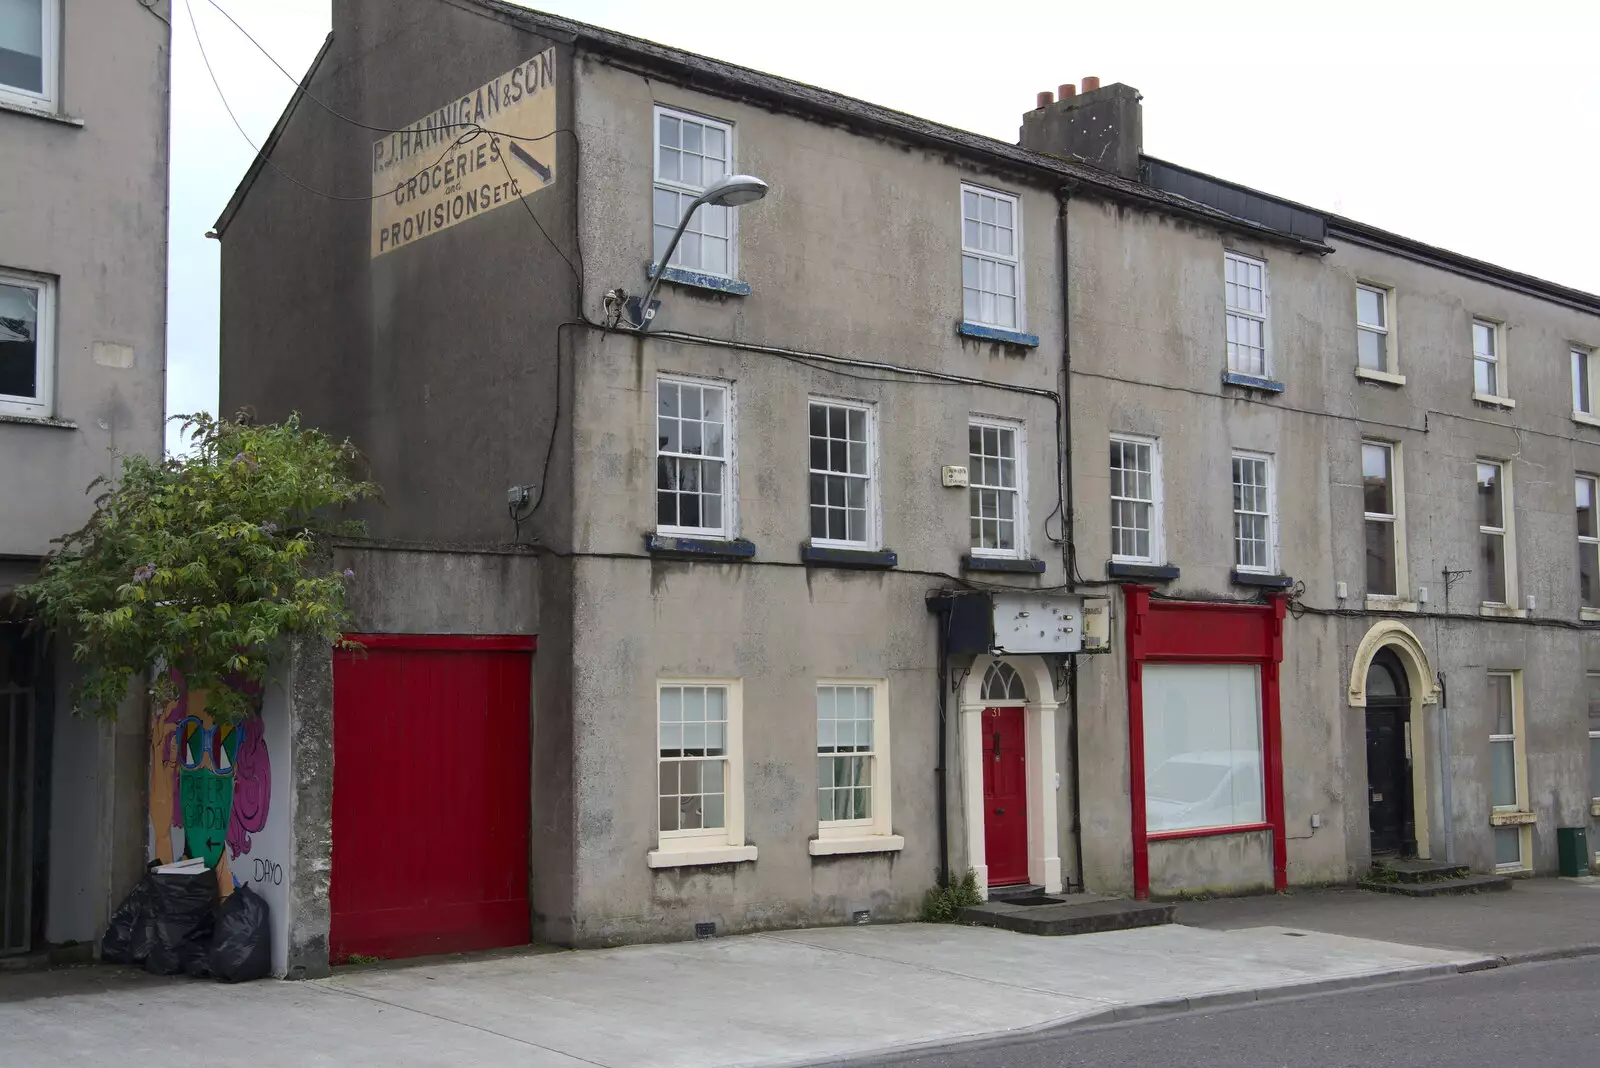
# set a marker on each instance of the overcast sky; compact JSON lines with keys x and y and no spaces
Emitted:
{"x":1469,"y":124}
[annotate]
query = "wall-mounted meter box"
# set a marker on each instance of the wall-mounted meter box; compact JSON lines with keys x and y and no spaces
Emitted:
{"x":1097,"y":624}
{"x":1037,"y":623}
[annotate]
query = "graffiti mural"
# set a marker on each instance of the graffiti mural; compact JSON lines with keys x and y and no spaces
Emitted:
{"x":210,"y":787}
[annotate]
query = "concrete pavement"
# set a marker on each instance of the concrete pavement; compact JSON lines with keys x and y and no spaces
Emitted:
{"x":772,"y":999}
{"x":1538,"y":918}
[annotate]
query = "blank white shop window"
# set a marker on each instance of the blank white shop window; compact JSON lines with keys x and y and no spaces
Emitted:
{"x":1202,"y":746}
{"x":1593,"y":680}
{"x":1508,"y":778}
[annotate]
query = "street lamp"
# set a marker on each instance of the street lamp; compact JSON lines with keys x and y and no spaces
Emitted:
{"x":731,"y":191}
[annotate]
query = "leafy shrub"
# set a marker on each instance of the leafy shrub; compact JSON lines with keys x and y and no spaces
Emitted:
{"x":943,"y":904}
{"x":197,"y":563}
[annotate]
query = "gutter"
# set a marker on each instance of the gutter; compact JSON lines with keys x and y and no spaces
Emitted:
{"x":1479,"y":270}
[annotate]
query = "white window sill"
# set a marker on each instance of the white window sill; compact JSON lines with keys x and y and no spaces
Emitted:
{"x":1502,"y":611}
{"x":1594,"y":807}
{"x":868,"y":843}
{"x":1509,"y":818}
{"x":1377,"y":602}
{"x":1589,"y":615}
{"x":1380,"y":376}
{"x":1586,"y":419}
{"x":700,"y":855}
{"x":1494,"y":401}
{"x":38,"y":111}
{"x":1510,"y":869}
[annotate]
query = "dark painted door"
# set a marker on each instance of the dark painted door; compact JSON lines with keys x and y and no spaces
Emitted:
{"x":430,"y":797}
{"x":1388,"y":776}
{"x":1005,"y":797}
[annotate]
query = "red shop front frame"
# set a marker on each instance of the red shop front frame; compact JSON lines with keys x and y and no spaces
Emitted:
{"x":1205,"y":632}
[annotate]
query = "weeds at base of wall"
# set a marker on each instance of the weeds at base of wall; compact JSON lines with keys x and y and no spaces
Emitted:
{"x":1186,"y":896}
{"x":1215,"y":894}
{"x":942,"y":904}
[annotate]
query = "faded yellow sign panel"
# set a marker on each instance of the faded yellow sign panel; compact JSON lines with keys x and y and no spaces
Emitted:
{"x":489,"y":148}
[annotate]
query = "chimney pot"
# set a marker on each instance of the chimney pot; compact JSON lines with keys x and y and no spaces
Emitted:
{"x":1101,"y":126}
{"x":1045,"y":100}
{"x":1067,"y":92}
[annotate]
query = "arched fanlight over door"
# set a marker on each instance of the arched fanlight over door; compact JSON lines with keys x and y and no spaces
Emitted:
{"x":1002,"y":683}
{"x":1385,"y":678}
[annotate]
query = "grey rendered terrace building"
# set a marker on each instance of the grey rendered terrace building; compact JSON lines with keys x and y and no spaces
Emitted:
{"x":738,"y":521}
{"x":83,"y":238}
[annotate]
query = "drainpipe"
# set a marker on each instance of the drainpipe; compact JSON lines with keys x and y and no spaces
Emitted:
{"x":939,"y":769}
{"x":1069,"y":547}
{"x":1072,"y":769}
{"x":1445,"y":792}
{"x":1069,"y":550}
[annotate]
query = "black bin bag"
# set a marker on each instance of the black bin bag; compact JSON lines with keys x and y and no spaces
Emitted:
{"x":182,"y":908}
{"x":131,"y":932}
{"x":241,"y":945}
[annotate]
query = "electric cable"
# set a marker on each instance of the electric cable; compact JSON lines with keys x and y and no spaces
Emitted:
{"x":814,"y":361}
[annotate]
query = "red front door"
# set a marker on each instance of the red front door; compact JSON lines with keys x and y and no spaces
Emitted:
{"x":430,"y":795}
{"x":1005,"y":797}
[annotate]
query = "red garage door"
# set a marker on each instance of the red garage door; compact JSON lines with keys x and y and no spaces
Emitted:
{"x":430,"y":795}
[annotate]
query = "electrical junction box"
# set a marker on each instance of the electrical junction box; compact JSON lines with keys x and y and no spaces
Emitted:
{"x":1097,"y":624}
{"x":1037,"y":623}
{"x":955,"y":476}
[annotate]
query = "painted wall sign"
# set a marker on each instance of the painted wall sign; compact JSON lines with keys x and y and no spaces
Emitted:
{"x":210,"y":788}
{"x":489,"y":148}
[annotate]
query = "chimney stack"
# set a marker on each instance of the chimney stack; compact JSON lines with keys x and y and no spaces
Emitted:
{"x":1100,"y":126}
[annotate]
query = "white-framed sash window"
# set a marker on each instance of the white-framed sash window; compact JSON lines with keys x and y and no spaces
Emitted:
{"x":694,"y":457}
{"x":996,"y":493}
{"x":1135,"y":500}
{"x":991,"y":258}
{"x":842,"y":474}
{"x":692,"y":152}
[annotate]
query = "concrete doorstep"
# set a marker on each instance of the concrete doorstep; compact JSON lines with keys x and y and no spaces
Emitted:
{"x":790,"y":998}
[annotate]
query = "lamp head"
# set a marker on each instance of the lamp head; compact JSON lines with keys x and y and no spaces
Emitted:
{"x":735,"y":190}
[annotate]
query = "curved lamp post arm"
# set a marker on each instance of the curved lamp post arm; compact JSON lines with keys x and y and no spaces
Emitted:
{"x":646,"y":316}
{"x":734,"y":190}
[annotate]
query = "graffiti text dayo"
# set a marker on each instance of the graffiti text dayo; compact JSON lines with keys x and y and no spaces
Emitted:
{"x":268,"y":871}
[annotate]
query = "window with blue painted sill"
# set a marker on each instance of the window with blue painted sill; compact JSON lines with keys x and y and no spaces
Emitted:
{"x":691,"y":152}
{"x":842,"y":475}
{"x":1257,"y":382}
{"x":991,"y":267}
{"x":694,"y":451}
{"x":732,"y":287}
{"x":1245,"y":304}
{"x":981,"y":332}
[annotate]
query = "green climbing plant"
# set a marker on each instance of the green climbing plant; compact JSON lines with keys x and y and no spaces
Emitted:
{"x":198,"y":563}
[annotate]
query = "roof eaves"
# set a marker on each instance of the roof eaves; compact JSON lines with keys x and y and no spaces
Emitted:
{"x":1360,"y":233}
{"x":236,"y":201}
{"x":728,"y":78}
